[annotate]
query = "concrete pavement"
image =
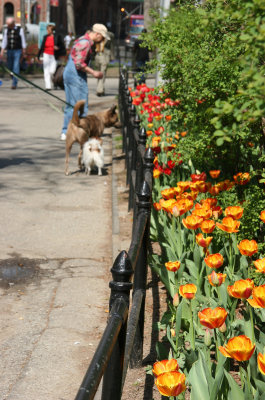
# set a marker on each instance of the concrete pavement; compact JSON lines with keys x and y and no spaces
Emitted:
{"x":55,"y":248}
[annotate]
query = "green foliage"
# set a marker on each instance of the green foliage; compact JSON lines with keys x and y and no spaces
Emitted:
{"x":211,"y":58}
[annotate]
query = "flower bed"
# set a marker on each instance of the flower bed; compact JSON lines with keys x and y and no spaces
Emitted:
{"x":210,"y":231}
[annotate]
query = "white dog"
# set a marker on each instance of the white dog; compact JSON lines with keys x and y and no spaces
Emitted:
{"x":93,"y":155}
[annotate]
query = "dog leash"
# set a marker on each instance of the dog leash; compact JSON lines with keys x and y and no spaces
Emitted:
{"x":33,"y":84}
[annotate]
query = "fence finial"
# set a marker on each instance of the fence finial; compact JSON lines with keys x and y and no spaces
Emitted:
{"x":142,"y":136}
{"x":121,"y":273}
{"x":144,"y":196}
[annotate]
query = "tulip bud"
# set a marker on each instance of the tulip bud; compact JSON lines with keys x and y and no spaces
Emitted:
{"x":187,"y":345}
{"x":207,"y":337}
{"x":222,"y":328}
{"x":173,"y":333}
{"x":215,"y":279}
{"x":176,"y":300}
{"x":175,"y":212}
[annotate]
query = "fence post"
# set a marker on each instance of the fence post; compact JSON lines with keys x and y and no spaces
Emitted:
{"x":140,"y":274}
{"x":120,"y":288}
{"x":149,"y":166}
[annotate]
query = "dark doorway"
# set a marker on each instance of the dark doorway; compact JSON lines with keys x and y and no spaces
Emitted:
{"x":8,"y":11}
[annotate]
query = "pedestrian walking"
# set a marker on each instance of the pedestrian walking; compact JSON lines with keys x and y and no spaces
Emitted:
{"x":52,"y":48}
{"x":141,"y":58}
{"x":104,"y":54}
{"x":14,"y":43}
{"x":68,"y":40}
{"x":76,"y":70}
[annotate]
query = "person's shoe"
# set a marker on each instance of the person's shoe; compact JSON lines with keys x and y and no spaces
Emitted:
{"x":101,"y":94}
{"x":13,"y":87}
{"x":63,"y":136}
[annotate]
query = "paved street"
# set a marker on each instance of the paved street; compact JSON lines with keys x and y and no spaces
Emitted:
{"x":55,"y":248}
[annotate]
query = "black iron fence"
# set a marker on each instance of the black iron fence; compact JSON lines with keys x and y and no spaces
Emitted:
{"x":122,"y":340}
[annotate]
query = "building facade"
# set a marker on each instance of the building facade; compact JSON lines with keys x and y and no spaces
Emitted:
{"x":87,"y":12}
{"x":35,"y":11}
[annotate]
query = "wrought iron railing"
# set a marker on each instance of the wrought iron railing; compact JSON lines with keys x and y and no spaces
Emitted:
{"x":122,"y":340}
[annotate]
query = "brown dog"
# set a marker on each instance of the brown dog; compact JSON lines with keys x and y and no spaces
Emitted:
{"x":81,"y":129}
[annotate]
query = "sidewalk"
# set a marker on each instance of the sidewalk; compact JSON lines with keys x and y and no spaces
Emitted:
{"x":55,"y":248}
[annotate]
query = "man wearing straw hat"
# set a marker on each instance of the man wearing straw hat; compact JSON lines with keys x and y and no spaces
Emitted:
{"x":76,"y":70}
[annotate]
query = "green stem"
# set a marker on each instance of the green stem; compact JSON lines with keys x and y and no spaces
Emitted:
{"x":217,"y":344}
{"x":252,"y":322}
{"x":244,"y":367}
{"x":192,"y":329}
{"x":231,"y":264}
{"x":180,"y":247}
{"x":241,"y":369}
{"x":219,"y":295}
{"x":193,"y":239}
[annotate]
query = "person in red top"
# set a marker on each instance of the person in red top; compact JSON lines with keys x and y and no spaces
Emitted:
{"x":50,"y":48}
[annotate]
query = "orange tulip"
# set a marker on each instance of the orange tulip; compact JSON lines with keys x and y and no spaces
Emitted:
{"x":203,"y":242}
{"x":194,"y":194}
{"x":188,"y":291}
{"x":149,"y":133}
{"x":192,"y":222}
{"x":207,"y":226}
{"x":157,"y":206}
{"x":214,"y":190}
{"x":172,"y":265}
{"x":167,"y":205}
{"x":184,"y":185}
{"x":248,"y":247}
{"x":242,"y":178}
{"x":183,"y":134}
{"x":171,"y":383}
{"x":235,"y":212}
{"x":261,"y":363}
{"x":212,"y":318}
{"x":202,"y":212}
{"x":214,"y":260}
{"x":178,"y":191}
{"x":155,"y":141}
{"x":168,"y":193}
{"x":203,"y":187}
{"x":183,"y":205}
{"x":226,"y":185}
{"x":217,"y":211}
{"x":160,"y":367}
{"x":260,"y":265}
{"x":156,"y":173}
{"x":209,"y":201}
{"x":168,"y":117}
{"x":258,"y":295}
{"x":262,"y":216}
{"x":241,"y":289}
{"x":216,"y":279}
{"x":240,"y":348}
{"x":215,"y":173}
{"x":229,"y":225}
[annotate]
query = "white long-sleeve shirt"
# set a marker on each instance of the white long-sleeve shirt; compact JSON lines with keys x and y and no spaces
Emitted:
{"x":23,"y":40}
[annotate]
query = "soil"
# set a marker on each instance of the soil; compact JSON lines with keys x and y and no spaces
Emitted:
{"x":138,"y":384}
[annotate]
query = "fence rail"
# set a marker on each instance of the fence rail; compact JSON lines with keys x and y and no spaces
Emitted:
{"x":122,"y":342}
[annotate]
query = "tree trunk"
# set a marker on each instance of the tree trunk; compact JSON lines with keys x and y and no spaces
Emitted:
{"x":148,"y":5}
{"x":70,"y":16}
